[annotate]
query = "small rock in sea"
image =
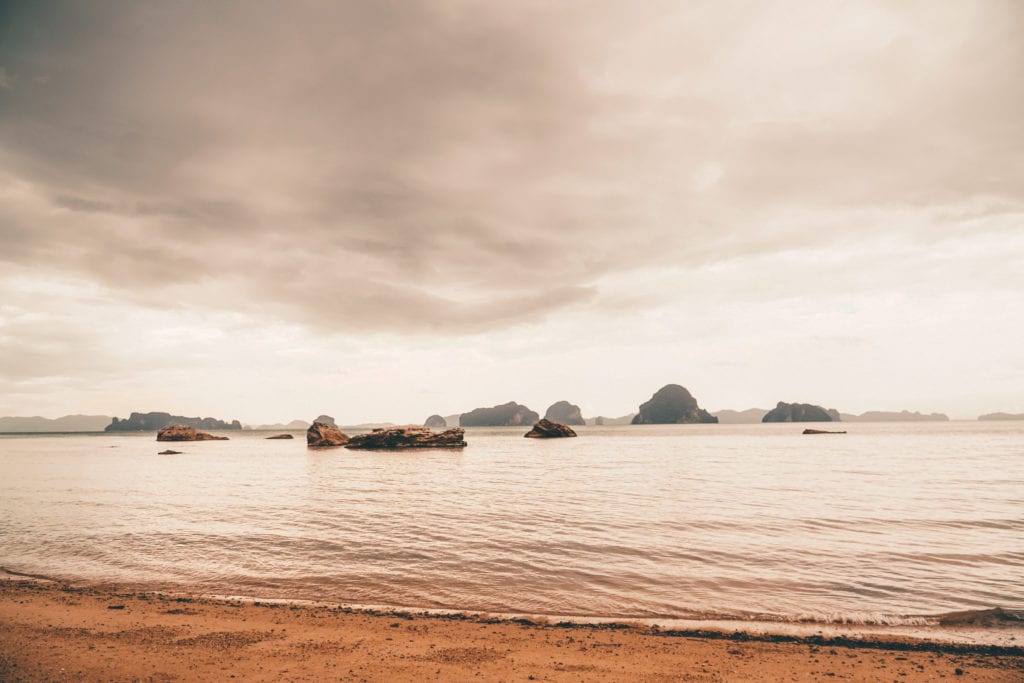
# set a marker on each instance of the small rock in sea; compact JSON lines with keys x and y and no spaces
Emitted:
{"x":321,"y":434}
{"x":281,"y":436}
{"x":169,"y":452}
{"x":436,"y":422}
{"x":546,"y":429}
{"x":115,"y":606}
{"x":183,"y":433}
{"x":820,"y":431}
{"x":396,"y":438}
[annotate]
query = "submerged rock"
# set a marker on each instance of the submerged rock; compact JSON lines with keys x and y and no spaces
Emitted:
{"x":169,"y":452}
{"x":820,"y":431}
{"x":566,"y":413}
{"x":672,"y":404}
{"x":281,"y":436}
{"x":322,"y":434}
{"x":393,"y":438}
{"x":436,"y":422}
{"x":509,"y":414}
{"x":799,"y":412}
{"x":546,"y":429}
{"x":183,"y":433}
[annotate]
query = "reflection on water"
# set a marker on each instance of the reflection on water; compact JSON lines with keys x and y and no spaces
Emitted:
{"x":662,"y":521}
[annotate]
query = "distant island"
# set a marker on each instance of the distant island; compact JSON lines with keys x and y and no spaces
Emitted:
{"x":902,"y":416}
{"x":800,"y":412}
{"x":68,"y":423}
{"x":280,"y":426}
{"x":756,"y":415}
{"x":509,"y":414}
{"x":738,"y":417}
{"x":601,"y":420}
{"x":996,"y":417}
{"x":565,"y":413}
{"x":672,"y":404}
{"x":149,"y":422}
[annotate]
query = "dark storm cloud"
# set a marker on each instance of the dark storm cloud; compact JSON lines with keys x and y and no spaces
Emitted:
{"x":458,"y":166}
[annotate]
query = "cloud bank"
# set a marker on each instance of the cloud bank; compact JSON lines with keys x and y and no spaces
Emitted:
{"x":458,"y":168}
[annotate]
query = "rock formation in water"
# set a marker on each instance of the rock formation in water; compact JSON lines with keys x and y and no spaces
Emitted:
{"x":397,"y":438}
{"x":169,"y":452}
{"x":996,"y":417}
{"x":566,"y":413}
{"x":321,"y":434}
{"x":509,"y":414}
{"x":546,"y":429}
{"x":820,"y":431}
{"x":147,"y":422}
{"x":599,"y":421}
{"x":326,"y":420}
{"x":672,"y":404}
{"x":186,"y":433}
{"x":902,"y":416}
{"x":436,"y":422}
{"x":800,"y":412}
{"x":281,"y":436}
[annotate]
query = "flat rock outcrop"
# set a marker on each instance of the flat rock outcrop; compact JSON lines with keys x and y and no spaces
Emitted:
{"x":509,"y":414}
{"x":398,"y":438}
{"x":186,"y":433}
{"x":672,"y":404}
{"x":147,"y":422}
{"x":169,"y":452}
{"x":565,"y":413}
{"x":800,"y":412}
{"x":820,"y":431}
{"x":321,"y":434}
{"x":546,"y":429}
{"x":436,"y":422}
{"x":281,"y":436}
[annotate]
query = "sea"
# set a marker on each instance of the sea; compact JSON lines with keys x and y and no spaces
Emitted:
{"x":910,"y":525}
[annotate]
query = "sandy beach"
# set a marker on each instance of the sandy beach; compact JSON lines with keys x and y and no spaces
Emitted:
{"x":50,"y":631}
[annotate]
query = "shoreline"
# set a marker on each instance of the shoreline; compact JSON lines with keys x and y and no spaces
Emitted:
{"x":994,"y":630}
{"x":48,"y":627}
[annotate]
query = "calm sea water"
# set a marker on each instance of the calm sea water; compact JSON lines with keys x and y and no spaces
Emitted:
{"x":716,"y":521}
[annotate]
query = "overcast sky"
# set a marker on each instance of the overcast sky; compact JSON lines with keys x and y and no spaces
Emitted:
{"x":378,"y":210}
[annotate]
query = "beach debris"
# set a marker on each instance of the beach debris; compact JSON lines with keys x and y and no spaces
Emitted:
{"x":546,"y":429}
{"x":183,"y":433}
{"x":321,"y":434}
{"x":395,"y":438}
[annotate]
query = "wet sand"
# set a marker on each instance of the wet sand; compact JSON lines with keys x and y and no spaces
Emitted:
{"x":51,"y":631}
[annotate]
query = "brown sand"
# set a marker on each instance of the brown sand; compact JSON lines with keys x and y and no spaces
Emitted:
{"x":55,"y":632}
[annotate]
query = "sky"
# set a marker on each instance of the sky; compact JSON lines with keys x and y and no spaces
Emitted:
{"x":384,"y":210}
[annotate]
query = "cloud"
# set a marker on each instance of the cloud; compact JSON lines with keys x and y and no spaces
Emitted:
{"x":456,"y":167}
